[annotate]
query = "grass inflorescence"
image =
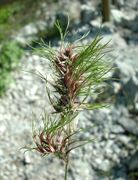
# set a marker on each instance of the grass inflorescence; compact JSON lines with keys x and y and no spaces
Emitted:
{"x":78,"y":70}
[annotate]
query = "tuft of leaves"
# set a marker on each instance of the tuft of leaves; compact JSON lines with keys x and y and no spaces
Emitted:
{"x":10,"y":53}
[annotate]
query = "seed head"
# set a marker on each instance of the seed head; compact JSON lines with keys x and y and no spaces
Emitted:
{"x":49,"y":143}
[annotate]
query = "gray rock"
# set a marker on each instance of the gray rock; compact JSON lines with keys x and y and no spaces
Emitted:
{"x":27,"y":159}
{"x":103,"y":165}
{"x":127,"y":19}
{"x":83,"y":171}
{"x":133,"y":163}
{"x":131,"y":91}
{"x":25,"y":34}
{"x":95,"y":25}
{"x":109,"y":28}
{"x":130,"y":125}
{"x":131,"y":23}
{"x":88,"y":13}
{"x":117,"y":129}
{"x":127,"y":73}
{"x":126,"y":4}
{"x":117,"y":15}
{"x":30,"y":32}
{"x":120,"y":178}
{"x":124,"y":71}
{"x":116,"y":41}
{"x":132,"y":4}
{"x":3,"y":128}
{"x":125,"y":140}
{"x":75,"y":11}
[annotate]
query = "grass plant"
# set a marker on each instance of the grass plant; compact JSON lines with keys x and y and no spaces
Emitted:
{"x":78,"y":70}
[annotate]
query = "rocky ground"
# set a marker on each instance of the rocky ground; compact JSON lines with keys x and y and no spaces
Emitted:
{"x":114,"y":153}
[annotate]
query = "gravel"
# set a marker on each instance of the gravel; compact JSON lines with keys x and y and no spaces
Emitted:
{"x":111,"y":156}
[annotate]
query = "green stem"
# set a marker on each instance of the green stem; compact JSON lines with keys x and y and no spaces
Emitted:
{"x":66,"y":170}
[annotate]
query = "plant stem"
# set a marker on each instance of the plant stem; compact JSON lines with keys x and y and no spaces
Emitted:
{"x":66,"y":170}
{"x":106,"y":10}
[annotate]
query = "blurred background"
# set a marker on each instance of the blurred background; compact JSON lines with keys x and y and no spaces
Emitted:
{"x":114,"y":153}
